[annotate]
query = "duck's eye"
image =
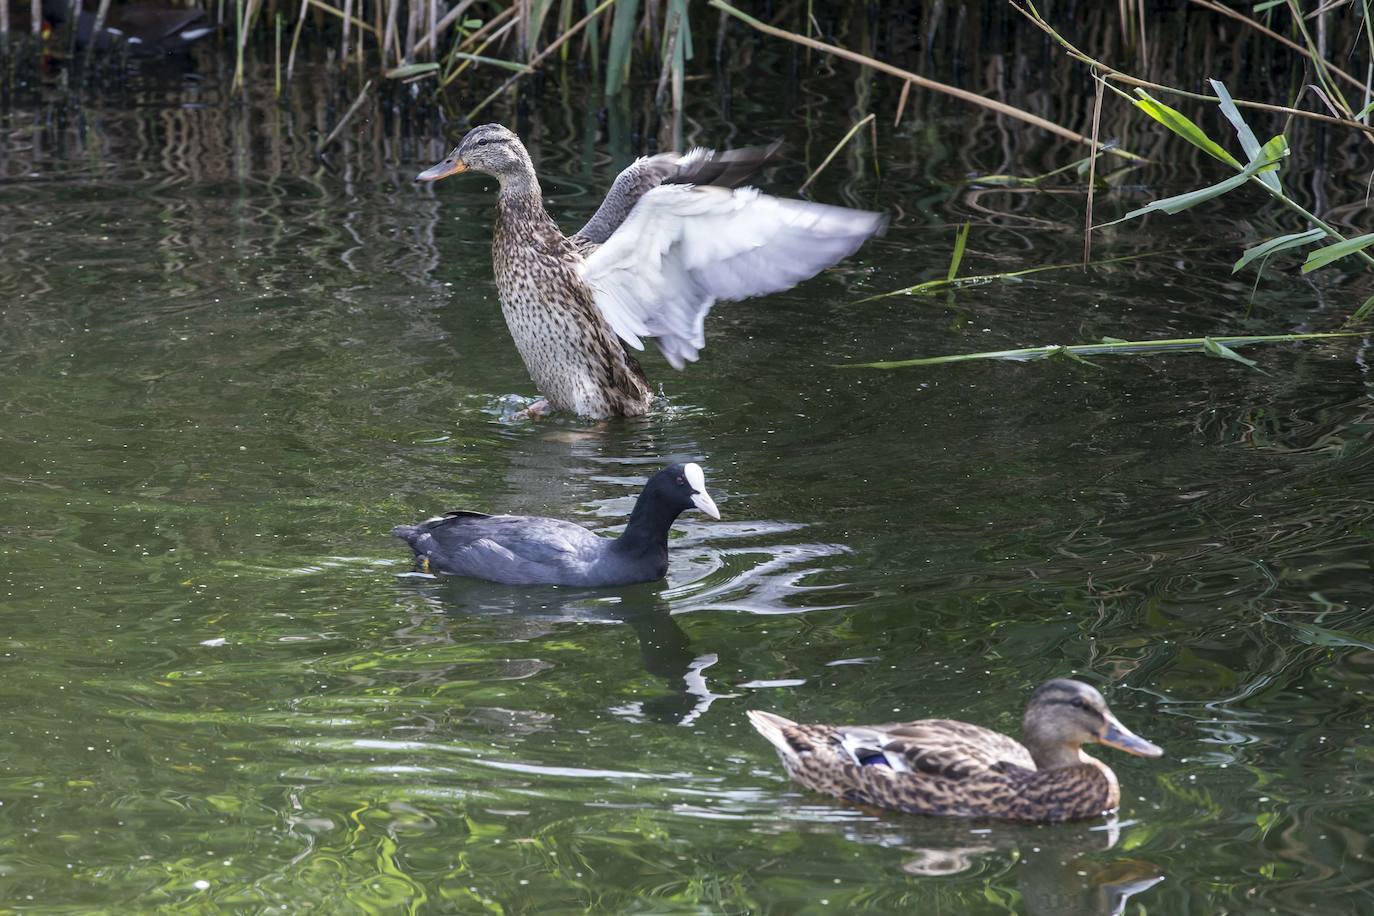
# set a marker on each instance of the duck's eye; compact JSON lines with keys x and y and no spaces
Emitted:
{"x":681,"y":481}
{"x":483,"y":142}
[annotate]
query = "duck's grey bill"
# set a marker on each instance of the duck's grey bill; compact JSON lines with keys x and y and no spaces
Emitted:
{"x":1123,"y":739}
{"x":442,"y":170}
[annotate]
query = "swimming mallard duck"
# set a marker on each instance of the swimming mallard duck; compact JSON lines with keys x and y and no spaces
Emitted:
{"x":938,"y":766}
{"x":658,"y":253}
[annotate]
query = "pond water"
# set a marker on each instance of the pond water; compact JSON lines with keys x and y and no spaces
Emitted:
{"x":228,"y":370}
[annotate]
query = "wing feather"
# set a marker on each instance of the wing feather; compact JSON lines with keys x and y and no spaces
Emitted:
{"x":684,"y":247}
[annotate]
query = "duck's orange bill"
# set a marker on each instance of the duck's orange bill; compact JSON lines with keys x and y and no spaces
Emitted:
{"x":450,"y":166}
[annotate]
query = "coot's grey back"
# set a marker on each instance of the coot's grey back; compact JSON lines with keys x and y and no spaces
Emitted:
{"x":516,"y":550}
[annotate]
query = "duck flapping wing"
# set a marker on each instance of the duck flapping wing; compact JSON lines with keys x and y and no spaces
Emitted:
{"x":699,"y":166}
{"x":682,"y":248}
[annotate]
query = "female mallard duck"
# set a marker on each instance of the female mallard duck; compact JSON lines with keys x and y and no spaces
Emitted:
{"x":662,"y":248}
{"x":938,"y":766}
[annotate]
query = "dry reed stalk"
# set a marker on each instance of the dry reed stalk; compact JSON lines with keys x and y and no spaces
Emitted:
{"x":1111,"y":73}
{"x":954,"y":91}
{"x":487,"y":27}
{"x":1099,"y":85}
{"x":1225,"y":10}
{"x":1144,"y":41}
{"x":449,"y":19}
{"x":412,"y":29}
{"x":4,"y":19}
{"x":390,"y":43}
{"x":834,"y":152}
{"x":433,"y":22}
{"x":338,"y":128}
{"x":901,"y":103}
{"x":378,"y":25}
{"x":295,"y":39}
{"x":247,"y":11}
{"x":100,"y":13}
{"x":472,"y":58}
{"x":36,"y":12}
{"x":670,"y":47}
{"x":276,"y":59}
{"x":535,"y":61}
{"x":343,"y":40}
{"x":362,"y":26}
{"x":73,"y":13}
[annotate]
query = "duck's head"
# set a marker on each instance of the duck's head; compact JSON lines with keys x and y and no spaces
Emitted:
{"x":1063,"y":715}
{"x":681,"y":487}
{"x":491,"y":149}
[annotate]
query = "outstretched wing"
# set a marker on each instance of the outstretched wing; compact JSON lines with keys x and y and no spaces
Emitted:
{"x":699,"y":166}
{"x":682,"y":248}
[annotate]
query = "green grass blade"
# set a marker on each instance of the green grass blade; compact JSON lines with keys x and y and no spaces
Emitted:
{"x":400,"y":73}
{"x":515,"y":66}
{"x":960,"y":238}
{"x":1273,"y":152}
{"x":932,"y":286}
{"x":684,"y":28}
{"x":622,"y":42}
{"x":1181,"y":202}
{"x":1181,"y":125}
{"x":1221,"y":351}
{"x":1324,"y":256}
{"x":1071,"y":356}
{"x":1270,"y":158}
{"x":593,"y":38}
{"x":1363,"y":311}
{"x":1248,"y":141}
{"x":1214,"y":346}
{"x":1281,"y":243}
{"x":538,"y":12}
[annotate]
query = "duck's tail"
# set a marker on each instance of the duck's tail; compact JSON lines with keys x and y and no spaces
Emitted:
{"x":773,"y":727}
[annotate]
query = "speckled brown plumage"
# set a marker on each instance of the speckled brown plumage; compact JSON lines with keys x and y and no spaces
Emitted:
{"x":945,"y":767}
{"x":574,"y":357}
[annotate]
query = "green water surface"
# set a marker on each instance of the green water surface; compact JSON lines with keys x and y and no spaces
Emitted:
{"x":227,"y":370}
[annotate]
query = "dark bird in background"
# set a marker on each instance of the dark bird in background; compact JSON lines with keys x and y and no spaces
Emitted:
{"x":141,"y":28}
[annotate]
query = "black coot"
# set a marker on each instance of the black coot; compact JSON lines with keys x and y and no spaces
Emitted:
{"x":531,"y":550}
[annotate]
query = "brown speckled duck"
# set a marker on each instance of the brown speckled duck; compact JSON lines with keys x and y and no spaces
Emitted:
{"x":668,"y":242}
{"x":943,"y":767}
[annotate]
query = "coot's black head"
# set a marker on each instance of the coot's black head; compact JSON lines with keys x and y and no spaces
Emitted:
{"x":489,"y":148}
{"x":680,"y":487}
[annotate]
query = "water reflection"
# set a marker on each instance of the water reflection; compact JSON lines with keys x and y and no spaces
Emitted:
{"x":1059,"y":870}
{"x":665,"y":649}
